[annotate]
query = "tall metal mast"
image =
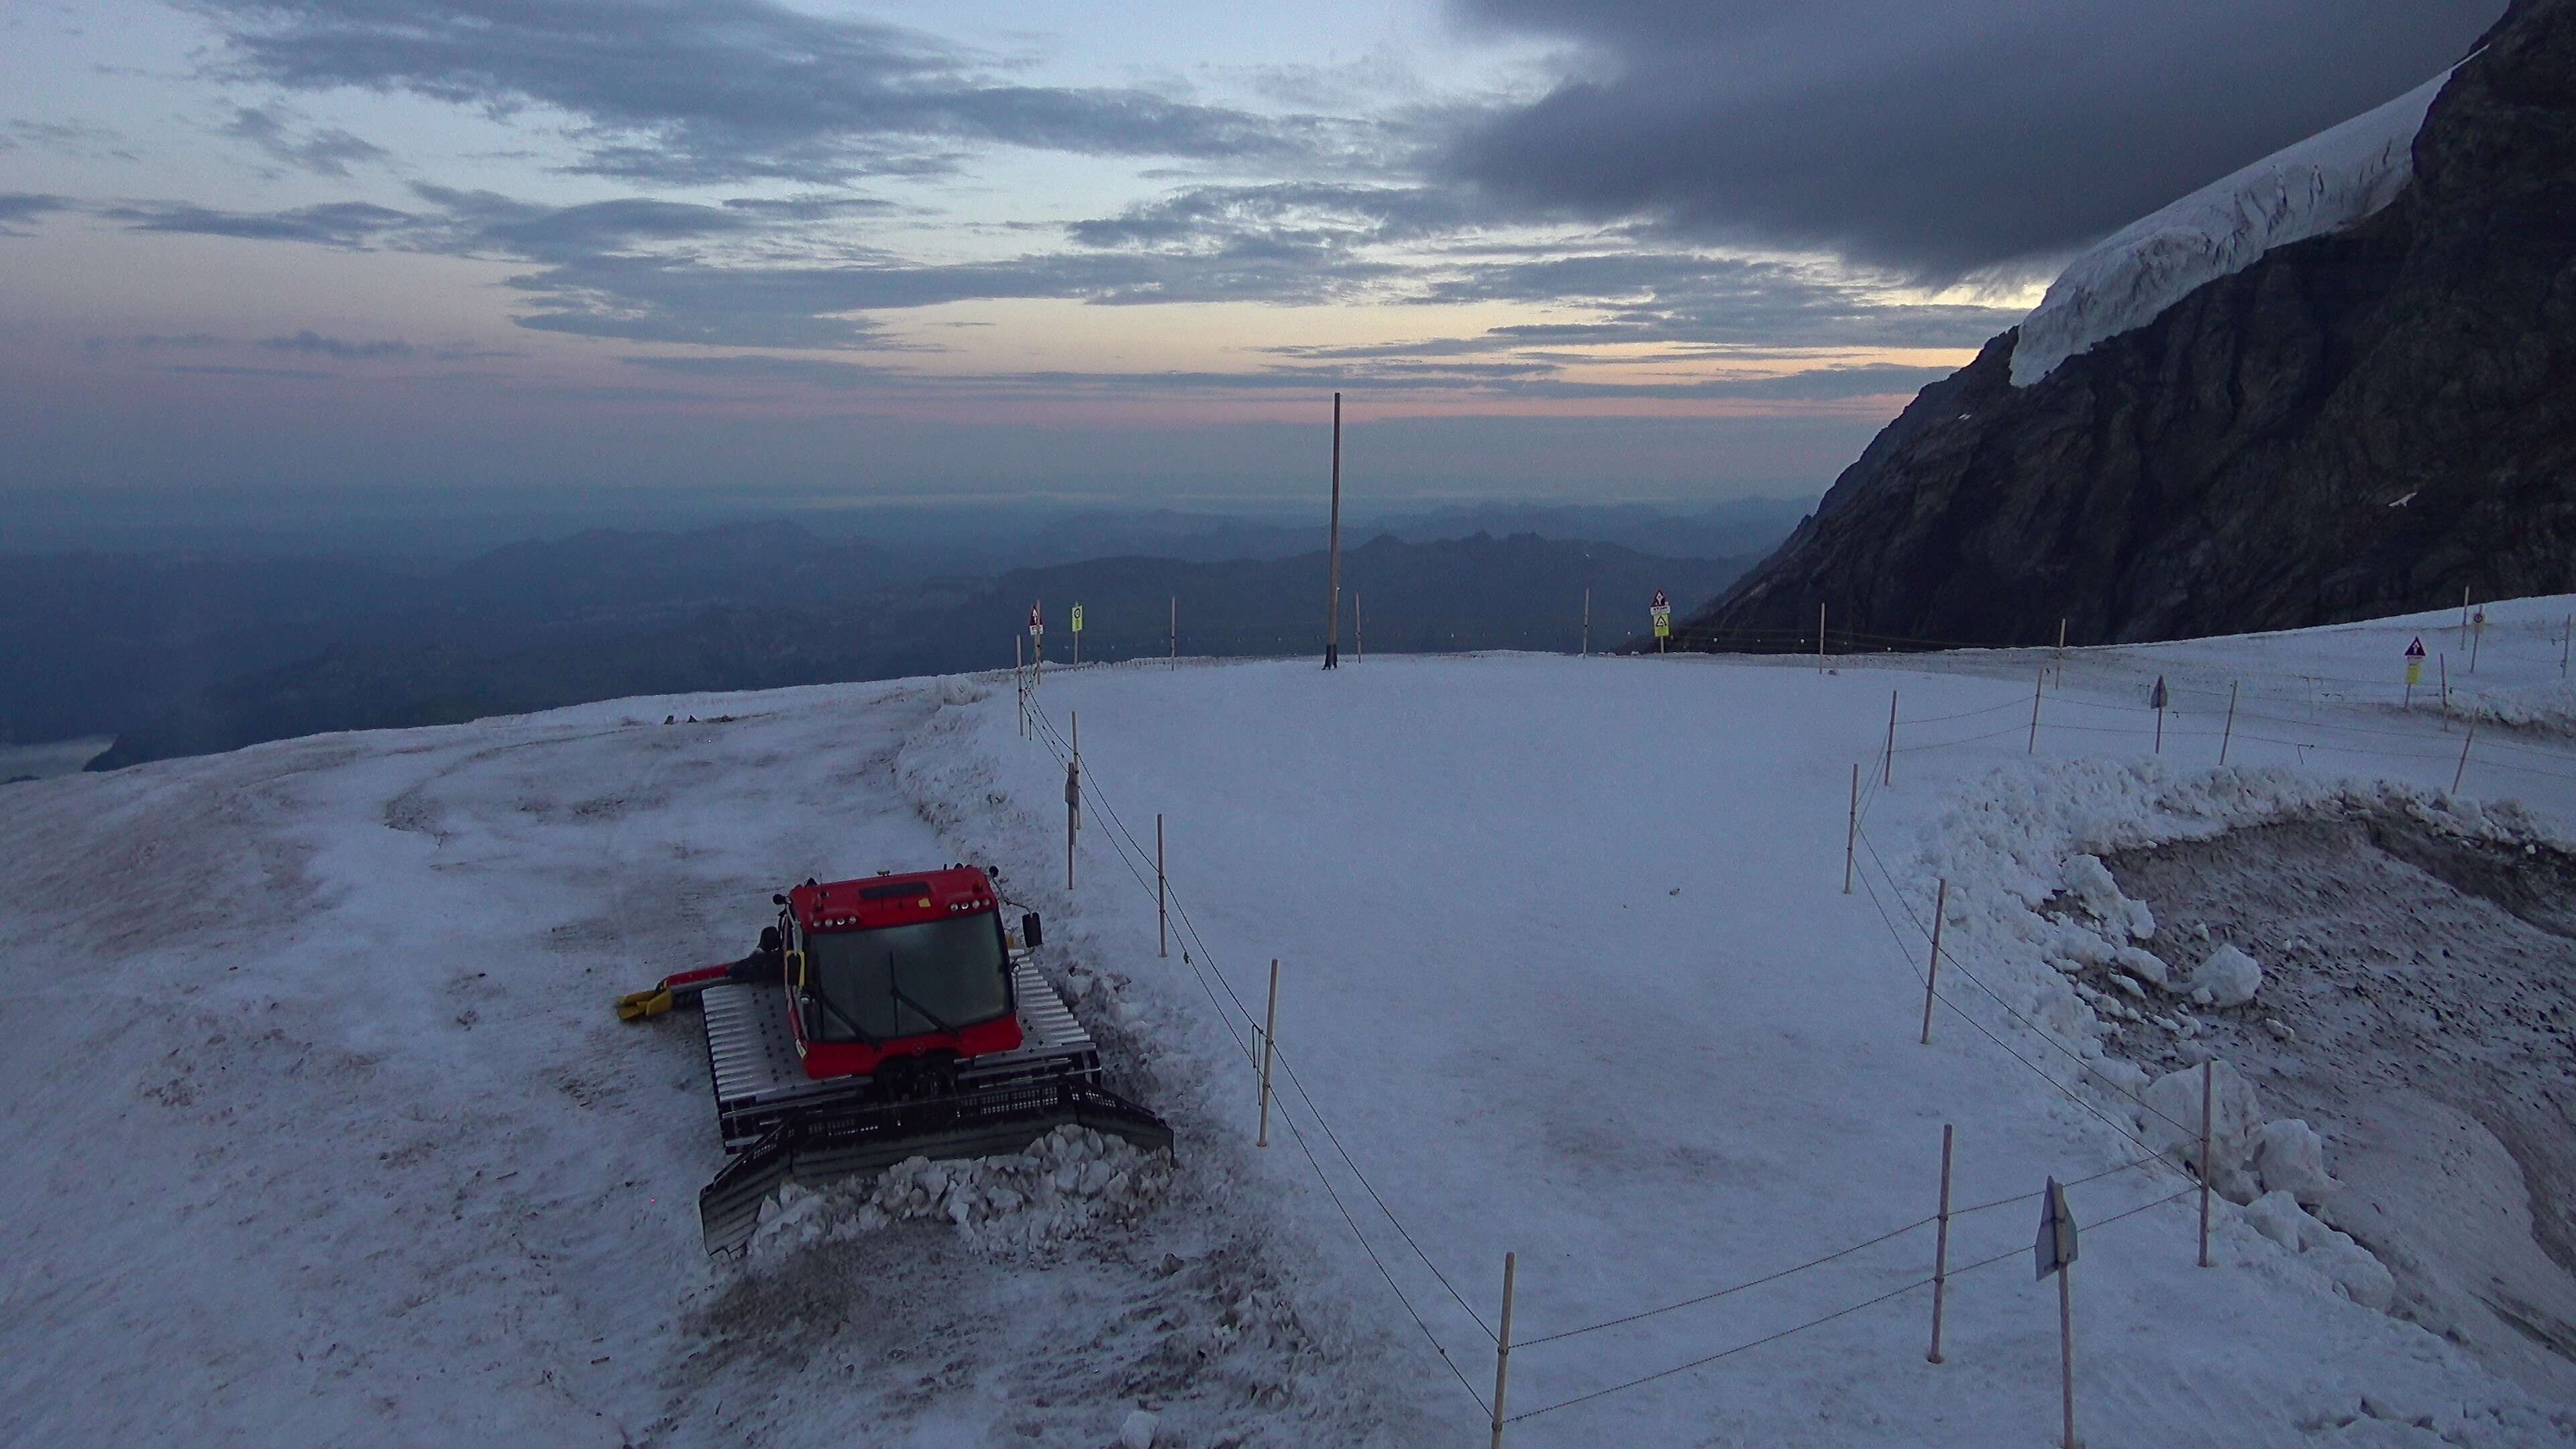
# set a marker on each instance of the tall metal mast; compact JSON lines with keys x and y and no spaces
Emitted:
{"x":1333,"y":606}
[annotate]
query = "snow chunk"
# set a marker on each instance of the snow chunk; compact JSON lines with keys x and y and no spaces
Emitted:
{"x":2229,"y":976}
{"x":2290,"y":1157}
{"x":2145,"y":965}
{"x":2278,"y":1216}
{"x":2350,"y":1266}
{"x":2100,"y":897}
{"x":2329,"y":181}
{"x":2364,"y":1279}
{"x":2172,"y":1124}
{"x":1138,"y":1431}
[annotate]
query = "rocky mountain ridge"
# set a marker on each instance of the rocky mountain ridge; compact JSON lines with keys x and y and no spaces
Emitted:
{"x":2358,"y":423}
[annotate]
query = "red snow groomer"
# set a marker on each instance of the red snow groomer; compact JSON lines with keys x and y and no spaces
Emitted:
{"x":881,"y":1019}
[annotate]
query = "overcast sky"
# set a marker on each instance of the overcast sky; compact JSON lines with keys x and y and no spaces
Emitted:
{"x":1570,"y":248}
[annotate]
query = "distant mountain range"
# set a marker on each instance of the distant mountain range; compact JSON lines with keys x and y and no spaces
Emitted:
{"x":1726,"y":530}
{"x":182,"y":657}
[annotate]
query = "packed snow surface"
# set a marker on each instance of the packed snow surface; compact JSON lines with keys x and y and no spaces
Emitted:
{"x":2321,"y":184}
{"x":321,"y":1131}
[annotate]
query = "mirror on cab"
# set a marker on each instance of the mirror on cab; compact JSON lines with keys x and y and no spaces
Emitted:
{"x":1031,"y":934}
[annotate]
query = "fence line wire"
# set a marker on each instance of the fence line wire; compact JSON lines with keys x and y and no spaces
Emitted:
{"x":1061,"y":749}
{"x":1818,"y":1322}
{"x":2126,"y":1134}
{"x":2034,"y":1028}
{"x":1280,"y":1060}
{"x":1729,"y":1290}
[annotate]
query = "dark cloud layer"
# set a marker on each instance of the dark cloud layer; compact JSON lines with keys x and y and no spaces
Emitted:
{"x":1935,"y":136}
{"x":644,"y":270}
{"x":1660,"y":295}
{"x":25,"y":206}
{"x":322,"y":150}
{"x":336,"y":223}
{"x":1380,"y":370}
{"x":314,"y":344}
{"x":713,"y":90}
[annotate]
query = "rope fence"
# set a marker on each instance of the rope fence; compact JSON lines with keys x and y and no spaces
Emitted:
{"x":2108,"y":668}
{"x":1058,"y":746}
{"x":1250,"y":1039}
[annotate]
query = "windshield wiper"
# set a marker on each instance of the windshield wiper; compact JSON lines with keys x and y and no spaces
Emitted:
{"x":855,"y":1029}
{"x":896,"y":989}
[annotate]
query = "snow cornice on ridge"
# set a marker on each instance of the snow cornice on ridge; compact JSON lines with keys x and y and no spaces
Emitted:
{"x":2329,"y":181}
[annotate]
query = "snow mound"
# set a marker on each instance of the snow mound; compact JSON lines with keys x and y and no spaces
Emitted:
{"x":2171,"y":1124}
{"x":2330,"y":180}
{"x":2291,"y":1158}
{"x":2351,"y":1267}
{"x":2228,"y":977}
{"x":1066,"y":1183}
{"x":2548,"y":708}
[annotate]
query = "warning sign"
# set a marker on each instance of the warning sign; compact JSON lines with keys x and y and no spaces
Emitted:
{"x":2056,"y":1245}
{"x":1037,"y":622}
{"x":1077,"y":618}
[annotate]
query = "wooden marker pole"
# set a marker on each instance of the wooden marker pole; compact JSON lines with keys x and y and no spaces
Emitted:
{"x":2061,"y":650}
{"x":2444,"y":662}
{"x":2160,"y":729}
{"x":2208,"y":1093}
{"x":1820,"y":637}
{"x":1889,"y":778}
{"x":2066,"y":1347}
{"x":2566,"y":639}
{"x":1176,"y":628}
{"x":2230,"y":732}
{"x":2464,"y":613}
{"x":2477,"y":636}
{"x":1587,"y":623}
{"x":2034,"y":712}
{"x":1932,"y":973}
{"x":1072,"y":798}
{"x":1941,"y":1248}
{"x":1851,"y":835}
{"x":1020,"y":684}
{"x":1162,"y":917}
{"x":1269,"y":1033}
{"x":2462,"y":773}
{"x":1359,"y":642}
{"x":1503,"y":1351}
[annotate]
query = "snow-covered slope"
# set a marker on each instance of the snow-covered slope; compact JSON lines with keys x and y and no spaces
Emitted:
{"x":320,"y":1130}
{"x":2328,"y":181}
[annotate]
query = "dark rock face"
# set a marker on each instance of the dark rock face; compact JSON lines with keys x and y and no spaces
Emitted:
{"x":2358,"y":424}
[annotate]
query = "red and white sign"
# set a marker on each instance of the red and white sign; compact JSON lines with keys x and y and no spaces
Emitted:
{"x":1037,"y":624}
